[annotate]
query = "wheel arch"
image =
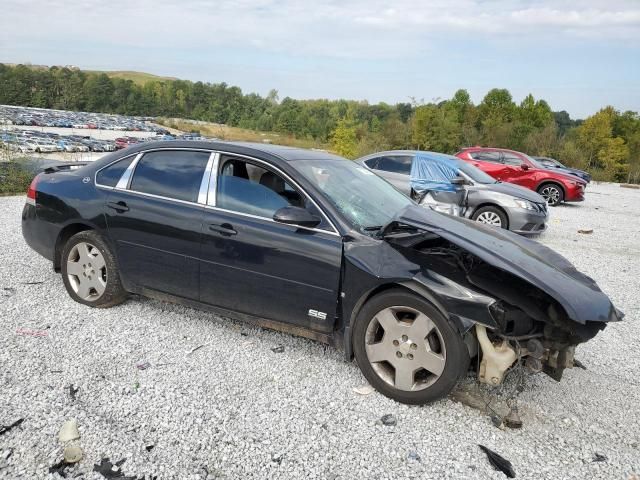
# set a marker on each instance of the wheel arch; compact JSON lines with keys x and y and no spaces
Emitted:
{"x":549,"y":181}
{"x":493,"y":205}
{"x":409,"y":286}
{"x":65,"y":234}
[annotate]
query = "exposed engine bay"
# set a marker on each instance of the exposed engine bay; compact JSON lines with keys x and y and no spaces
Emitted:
{"x":528,"y":324}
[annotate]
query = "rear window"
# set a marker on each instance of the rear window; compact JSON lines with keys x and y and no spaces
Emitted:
{"x":110,"y":175}
{"x":173,"y":174}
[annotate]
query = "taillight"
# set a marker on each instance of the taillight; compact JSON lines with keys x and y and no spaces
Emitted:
{"x":31,"y":193}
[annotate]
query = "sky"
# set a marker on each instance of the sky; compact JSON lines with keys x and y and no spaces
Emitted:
{"x":578,"y":55}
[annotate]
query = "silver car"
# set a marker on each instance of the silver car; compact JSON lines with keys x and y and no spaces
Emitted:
{"x":475,"y":195}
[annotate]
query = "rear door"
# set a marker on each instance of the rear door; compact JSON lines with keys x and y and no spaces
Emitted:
{"x":154,"y":219}
{"x":490,"y":161}
{"x":254,"y":265}
{"x":395,"y":169}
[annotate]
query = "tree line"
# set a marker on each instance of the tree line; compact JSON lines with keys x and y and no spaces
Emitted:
{"x":607,"y":143}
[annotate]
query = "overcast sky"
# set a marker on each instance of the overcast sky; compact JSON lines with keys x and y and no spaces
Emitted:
{"x":578,"y":55}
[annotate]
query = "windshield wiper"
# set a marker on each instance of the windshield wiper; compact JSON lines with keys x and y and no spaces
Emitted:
{"x":374,"y":228}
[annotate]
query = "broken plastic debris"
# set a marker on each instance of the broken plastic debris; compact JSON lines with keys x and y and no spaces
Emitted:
{"x":414,"y":456}
{"x":73,"y":391}
{"x":32,"y":333}
{"x":278,"y":349}
{"x":513,"y":420}
{"x":5,"y":428}
{"x":143,"y":365}
{"x":389,"y":420}
{"x":69,"y":431}
{"x":499,"y":463}
{"x":72,"y":454}
{"x":364,"y":389}
{"x":577,"y":363}
{"x":598,"y":457}
{"x":196,"y":348}
{"x":585,"y":231}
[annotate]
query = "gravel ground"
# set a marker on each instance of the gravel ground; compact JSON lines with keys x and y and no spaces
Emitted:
{"x":236,"y":409}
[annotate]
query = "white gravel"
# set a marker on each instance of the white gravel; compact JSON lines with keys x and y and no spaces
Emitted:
{"x":235,"y":409}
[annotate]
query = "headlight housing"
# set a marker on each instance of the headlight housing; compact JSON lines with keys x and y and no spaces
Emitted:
{"x":526,"y":204}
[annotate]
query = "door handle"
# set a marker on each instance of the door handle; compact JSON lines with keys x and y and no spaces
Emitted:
{"x":225,"y":229}
{"x":118,"y":206}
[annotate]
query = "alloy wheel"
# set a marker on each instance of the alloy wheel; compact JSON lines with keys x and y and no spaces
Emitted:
{"x":490,"y":218}
{"x":87,"y":271}
{"x":551,"y":194}
{"x":405,"y":348}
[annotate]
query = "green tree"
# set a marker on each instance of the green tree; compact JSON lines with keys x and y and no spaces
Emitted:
{"x":344,"y":139}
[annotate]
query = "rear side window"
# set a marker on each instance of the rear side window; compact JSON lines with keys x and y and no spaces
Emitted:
{"x":110,"y":175}
{"x":486,"y":156}
{"x":173,"y":174}
{"x":395,"y":164}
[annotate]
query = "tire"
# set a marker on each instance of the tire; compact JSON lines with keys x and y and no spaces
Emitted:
{"x":90,"y":272}
{"x":441,"y":349}
{"x":552,"y":193}
{"x":491,"y":216}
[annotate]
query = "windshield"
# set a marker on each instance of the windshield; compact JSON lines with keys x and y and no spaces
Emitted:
{"x":474,"y":173}
{"x":366,"y":200}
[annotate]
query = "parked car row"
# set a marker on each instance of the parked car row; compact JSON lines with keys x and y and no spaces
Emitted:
{"x":32,"y":141}
{"x":499,"y":187}
{"x":43,"y":117}
{"x":35,"y":141}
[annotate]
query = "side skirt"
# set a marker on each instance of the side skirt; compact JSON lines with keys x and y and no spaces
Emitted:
{"x":329,"y":339}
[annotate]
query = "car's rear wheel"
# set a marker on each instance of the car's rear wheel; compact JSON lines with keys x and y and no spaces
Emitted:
{"x":407,"y":349}
{"x":552,"y":193}
{"x":491,"y":216}
{"x":89,"y":271}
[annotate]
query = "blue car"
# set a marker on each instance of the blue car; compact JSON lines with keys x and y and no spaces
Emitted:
{"x":553,"y":164}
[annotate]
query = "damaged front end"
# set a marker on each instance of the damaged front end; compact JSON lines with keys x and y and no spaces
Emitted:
{"x":512,"y":298}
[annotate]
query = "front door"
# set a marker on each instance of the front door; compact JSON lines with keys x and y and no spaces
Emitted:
{"x":254,"y":265}
{"x":154,"y":220}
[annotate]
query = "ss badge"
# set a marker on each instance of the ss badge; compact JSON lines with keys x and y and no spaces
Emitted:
{"x":317,"y":314}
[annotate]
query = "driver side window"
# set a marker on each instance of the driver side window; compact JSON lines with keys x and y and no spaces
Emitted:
{"x":246,"y":187}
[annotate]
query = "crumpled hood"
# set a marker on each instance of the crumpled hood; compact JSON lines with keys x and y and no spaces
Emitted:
{"x":535,"y":263}
{"x":509,"y":189}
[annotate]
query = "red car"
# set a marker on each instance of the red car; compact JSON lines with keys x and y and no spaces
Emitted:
{"x":519,"y":168}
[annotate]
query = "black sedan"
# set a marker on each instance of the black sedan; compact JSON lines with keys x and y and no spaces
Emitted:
{"x":296,"y":240}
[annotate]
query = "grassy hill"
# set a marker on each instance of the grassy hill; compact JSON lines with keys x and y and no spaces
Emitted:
{"x":139,"y":78}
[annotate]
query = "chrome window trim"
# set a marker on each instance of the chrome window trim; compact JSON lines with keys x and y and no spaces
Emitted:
{"x":334,"y":230}
{"x":95,"y":175}
{"x":204,"y":183}
{"x":125,"y":179}
{"x":177,"y":149}
{"x":159,"y":197}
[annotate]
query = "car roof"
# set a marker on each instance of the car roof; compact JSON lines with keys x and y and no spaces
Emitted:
{"x":287,"y":154}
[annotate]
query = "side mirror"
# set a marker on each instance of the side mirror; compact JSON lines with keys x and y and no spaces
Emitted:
{"x":296,"y":216}
{"x":524,"y":166}
{"x":459,"y":181}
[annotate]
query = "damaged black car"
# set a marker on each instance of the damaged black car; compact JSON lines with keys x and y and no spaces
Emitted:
{"x":312,"y":244}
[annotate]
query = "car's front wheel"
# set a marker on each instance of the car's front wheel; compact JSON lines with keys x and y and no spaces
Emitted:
{"x":89,"y":271}
{"x":491,"y":216}
{"x":552,"y":193}
{"x":407,"y":349}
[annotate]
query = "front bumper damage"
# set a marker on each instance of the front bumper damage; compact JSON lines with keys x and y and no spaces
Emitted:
{"x":519,"y":300}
